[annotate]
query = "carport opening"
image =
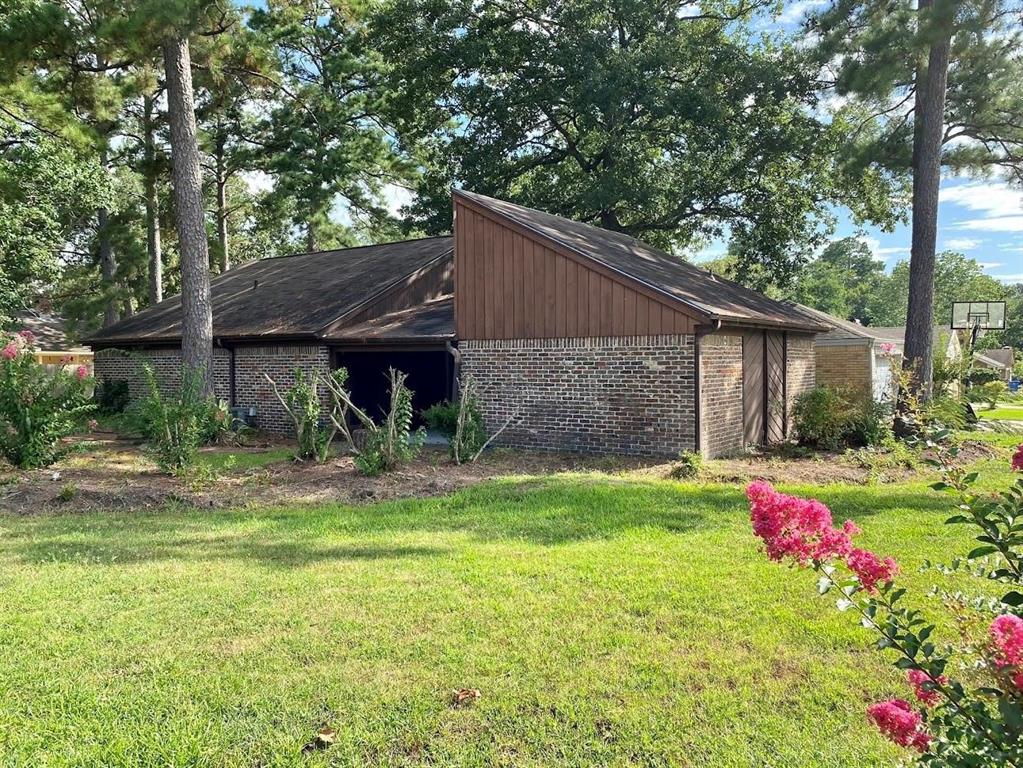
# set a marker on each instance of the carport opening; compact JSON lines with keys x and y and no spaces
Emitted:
{"x":430,"y":377}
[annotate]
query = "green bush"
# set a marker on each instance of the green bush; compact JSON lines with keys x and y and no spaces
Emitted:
{"x":461,"y":423}
{"x":830,"y":419}
{"x":302,"y":402}
{"x":37,"y":409}
{"x":686,"y":466}
{"x":111,"y":396}
{"x":992,"y":393}
{"x":442,"y":417}
{"x":176,"y":425}
{"x":393,"y":442}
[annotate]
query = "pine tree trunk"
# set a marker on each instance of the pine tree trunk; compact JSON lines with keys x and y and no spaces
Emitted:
{"x":108,"y":268}
{"x":153,"y":246}
{"x":222,"y":244}
{"x":929,"y":114}
{"x":196,"y":305}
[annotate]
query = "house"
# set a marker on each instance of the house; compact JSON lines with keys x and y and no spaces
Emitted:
{"x":857,"y":357}
{"x":998,"y":360}
{"x":54,"y":347}
{"x":578,"y":338}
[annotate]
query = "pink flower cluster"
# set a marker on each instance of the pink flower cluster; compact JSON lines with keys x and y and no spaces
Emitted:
{"x":801,"y":529}
{"x":870,"y":568}
{"x":1017,"y":459}
{"x":927,"y":696}
{"x":887,"y":348}
{"x":81,"y":372}
{"x":897,"y":720}
{"x":1007,"y":639}
{"x":10,"y":351}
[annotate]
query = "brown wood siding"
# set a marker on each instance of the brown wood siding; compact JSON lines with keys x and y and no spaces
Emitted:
{"x":428,"y":283}
{"x":775,"y":371}
{"x":753,"y":404}
{"x":512,"y":286}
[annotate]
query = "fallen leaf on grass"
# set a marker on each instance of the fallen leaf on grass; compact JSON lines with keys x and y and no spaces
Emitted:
{"x":324,"y":738}
{"x":463,"y":697}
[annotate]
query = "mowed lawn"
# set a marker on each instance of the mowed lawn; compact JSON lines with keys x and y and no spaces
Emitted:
{"x":605,"y":621}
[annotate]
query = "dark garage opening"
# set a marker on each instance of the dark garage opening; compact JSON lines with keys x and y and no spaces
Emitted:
{"x":430,"y":377}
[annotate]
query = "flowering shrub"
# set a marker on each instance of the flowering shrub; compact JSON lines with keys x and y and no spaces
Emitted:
{"x":973,"y":721}
{"x":37,"y":408}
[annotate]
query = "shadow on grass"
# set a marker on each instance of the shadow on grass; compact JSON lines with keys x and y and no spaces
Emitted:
{"x":548,"y":512}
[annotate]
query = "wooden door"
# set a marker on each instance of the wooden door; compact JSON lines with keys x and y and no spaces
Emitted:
{"x":777,"y":418}
{"x":754,"y":390}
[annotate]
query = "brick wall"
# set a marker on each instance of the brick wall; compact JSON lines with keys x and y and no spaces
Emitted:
{"x":628,"y":395}
{"x":801,"y":369}
{"x":251,"y":388}
{"x":125,"y":365}
{"x":846,"y":366}
{"x":720,"y":394}
{"x":279,"y":363}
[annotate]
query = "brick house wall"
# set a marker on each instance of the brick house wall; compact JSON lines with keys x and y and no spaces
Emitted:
{"x":846,"y":366}
{"x":721,"y":428}
{"x":279,"y":362}
{"x":629,"y":395}
{"x":801,"y":370}
{"x":126,"y":365}
{"x":250,"y":363}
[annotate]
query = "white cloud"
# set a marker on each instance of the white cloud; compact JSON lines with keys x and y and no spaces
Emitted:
{"x":887,"y":253}
{"x":395,"y":197}
{"x":257,"y":181}
{"x":794,"y":13}
{"x":990,"y":264}
{"x":962,"y":244}
{"x":994,"y":224}
{"x":995,"y":200}
{"x":1010,"y":278}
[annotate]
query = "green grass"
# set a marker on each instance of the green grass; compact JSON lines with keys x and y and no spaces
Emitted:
{"x":238,"y":461}
{"x":1001,"y":412}
{"x":606,"y":622}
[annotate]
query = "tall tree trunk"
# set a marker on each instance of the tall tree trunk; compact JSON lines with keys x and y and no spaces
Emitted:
{"x":153,"y":246}
{"x":108,"y":268}
{"x":929,"y":115}
{"x":196,"y":305}
{"x":310,"y":237}
{"x":222,"y":244}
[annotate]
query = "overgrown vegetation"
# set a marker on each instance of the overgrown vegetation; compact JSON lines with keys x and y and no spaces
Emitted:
{"x":175,"y":425}
{"x":378,"y":447}
{"x":111,"y":396}
{"x":686,"y":466}
{"x":303,"y":405}
{"x":830,"y":419}
{"x":461,"y":423}
{"x":37,"y":408}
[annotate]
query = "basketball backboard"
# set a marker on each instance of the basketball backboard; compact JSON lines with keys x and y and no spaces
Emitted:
{"x":983,"y":315}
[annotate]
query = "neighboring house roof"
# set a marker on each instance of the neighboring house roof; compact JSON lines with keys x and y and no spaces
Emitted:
{"x":50,"y":331}
{"x":896,"y":334}
{"x":996,"y":358}
{"x":297,"y":296}
{"x":700,"y":292}
{"x":430,"y":321}
{"x":840,"y":330}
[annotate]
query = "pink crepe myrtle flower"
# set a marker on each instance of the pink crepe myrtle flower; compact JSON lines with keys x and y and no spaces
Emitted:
{"x":28,"y":336}
{"x":928,"y":696}
{"x":10,"y":351}
{"x":870,"y":568}
{"x":67,"y":359}
{"x":800,"y":529}
{"x":887,"y":348}
{"x":1017,"y":459}
{"x":898,"y":721}
{"x":1007,"y":639}
{"x":81,"y":372}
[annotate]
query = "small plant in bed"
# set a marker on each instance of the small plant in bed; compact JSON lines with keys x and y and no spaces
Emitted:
{"x":38,"y":408}
{"x":686,"y":466}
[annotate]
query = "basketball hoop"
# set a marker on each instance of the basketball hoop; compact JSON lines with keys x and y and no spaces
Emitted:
{"x":977,"y":316}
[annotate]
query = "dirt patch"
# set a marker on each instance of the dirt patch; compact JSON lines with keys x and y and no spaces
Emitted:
{"x":106,"y":471}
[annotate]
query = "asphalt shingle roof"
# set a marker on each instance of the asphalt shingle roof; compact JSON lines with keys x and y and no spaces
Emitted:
{"x":433,"y":320}
{"x":291,"y":296}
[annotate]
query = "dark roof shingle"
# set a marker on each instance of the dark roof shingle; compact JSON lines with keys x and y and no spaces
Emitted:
{"x":290,"y":296}
{"x":432,"y":320}
{"x":709,"y":295}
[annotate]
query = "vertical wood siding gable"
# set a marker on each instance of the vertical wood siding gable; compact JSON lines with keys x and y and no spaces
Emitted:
{"x":509,"y":285}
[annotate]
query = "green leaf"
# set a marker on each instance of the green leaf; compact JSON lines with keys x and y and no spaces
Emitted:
{"x":987,"y":549}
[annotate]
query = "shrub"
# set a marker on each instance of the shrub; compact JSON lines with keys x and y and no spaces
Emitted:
{"x":176,"y":425}
{"x":37,"y":409}
{"x":302,"y":403}
{"x":976,"y":721}
{"x":823,"y":418}
{"x":111,"y":396}
{"x":686,"y":466}
{"x":992,"y":392}
{"x":442,"y":417}
{"x":461,"y":423}
{"x":385,"y":445}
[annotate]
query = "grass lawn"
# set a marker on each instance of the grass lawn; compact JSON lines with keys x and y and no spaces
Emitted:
{"x":606,"y":622}
{"x":1003,"y":411}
